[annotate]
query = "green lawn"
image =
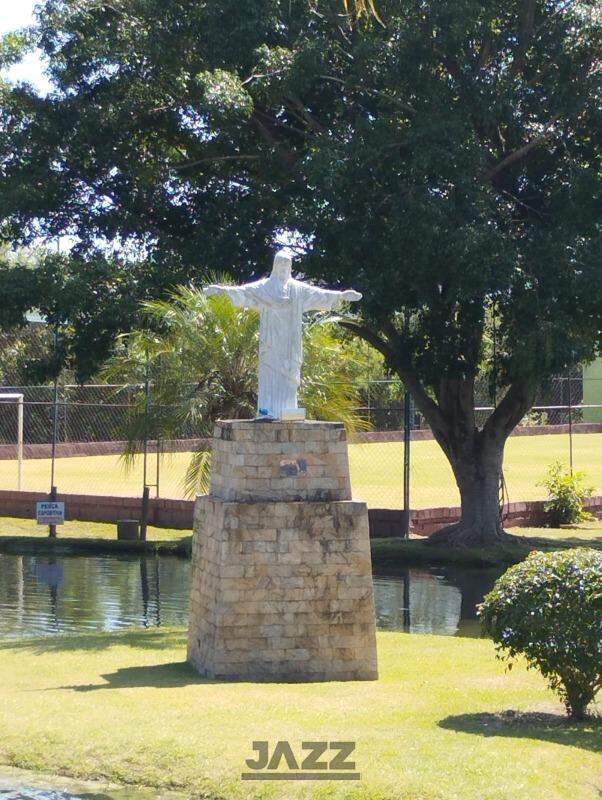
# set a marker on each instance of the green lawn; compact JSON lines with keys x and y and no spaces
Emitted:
{"x":76,"y":529}
{"x":376,"y":471}
{"x":126,"y":708}
{"x":588,"y":533}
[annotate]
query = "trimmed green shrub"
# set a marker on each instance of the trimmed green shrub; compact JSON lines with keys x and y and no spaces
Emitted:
{"x":549,"y":609}
{"x":567,"y":492}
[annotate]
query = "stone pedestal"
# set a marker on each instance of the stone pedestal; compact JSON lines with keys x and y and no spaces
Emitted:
{"x":281,"y":572}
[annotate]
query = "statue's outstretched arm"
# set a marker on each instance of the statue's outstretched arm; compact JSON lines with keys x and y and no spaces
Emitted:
{"x":237,"y":294}
{"x":317,"y":299}
{"x":215,"y":288}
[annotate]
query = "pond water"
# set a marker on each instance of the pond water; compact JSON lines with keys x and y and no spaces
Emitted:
{"x":34,"y":793}
{"x":20,"y":785}
{"x":42,"y":595}
{"x":41,"y":793}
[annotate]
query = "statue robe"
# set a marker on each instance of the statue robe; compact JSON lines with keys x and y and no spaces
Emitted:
{"x":281,"y":307}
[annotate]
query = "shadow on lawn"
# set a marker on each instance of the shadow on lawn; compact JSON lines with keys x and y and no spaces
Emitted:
{"x":173,"y":675}
{"x":554,"y":728}
{"x":146,"y":639}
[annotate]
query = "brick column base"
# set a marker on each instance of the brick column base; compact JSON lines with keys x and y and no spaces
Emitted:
{"x":281,"y":588}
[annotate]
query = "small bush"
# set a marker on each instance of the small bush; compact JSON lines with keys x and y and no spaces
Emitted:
{"x":549,"y":609}
{"x":567,"y":492}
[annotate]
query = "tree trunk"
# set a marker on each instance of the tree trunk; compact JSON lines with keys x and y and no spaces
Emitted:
{"x":475,"y":455}
{"x":478,"y":474}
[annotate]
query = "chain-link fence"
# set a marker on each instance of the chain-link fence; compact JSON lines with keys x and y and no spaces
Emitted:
{"x":88,"y":425}
{"x":564,"y":425}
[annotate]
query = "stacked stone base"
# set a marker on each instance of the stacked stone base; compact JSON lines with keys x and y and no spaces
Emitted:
{"x":289,"y":602}
{"x":281,"y":590}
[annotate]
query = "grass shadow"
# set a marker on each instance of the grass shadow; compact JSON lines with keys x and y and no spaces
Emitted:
{"x":555,"y":728}
{"x":35,"y":545}
{"x":420,"y":552}
{"x":171,"y":675}
{"x":174,"y":675}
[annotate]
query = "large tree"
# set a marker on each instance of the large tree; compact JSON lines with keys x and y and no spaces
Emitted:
{"x":444,"y":161}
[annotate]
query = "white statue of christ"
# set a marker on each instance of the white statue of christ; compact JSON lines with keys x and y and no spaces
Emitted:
{"x":281,"y":301}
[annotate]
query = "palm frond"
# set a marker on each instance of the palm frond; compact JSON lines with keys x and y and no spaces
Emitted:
{"x":198,"y":474}
{"x":328,"y":389}
{"x":362,"y":8}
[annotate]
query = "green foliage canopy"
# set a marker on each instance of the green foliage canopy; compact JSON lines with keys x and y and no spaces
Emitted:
{"x":446,"y":163}
{"x":441,"y":162}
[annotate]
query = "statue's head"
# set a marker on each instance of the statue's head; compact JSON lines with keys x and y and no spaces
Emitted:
{"x":283,"y":265}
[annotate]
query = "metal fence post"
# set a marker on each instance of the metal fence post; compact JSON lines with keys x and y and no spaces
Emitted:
{"x":158,"y":476}
{"x":52,"y":528}
{"x":145,"y":487}
{"x":144,"y":514}
{"x":570,"y":405}
{"x":55,"y":425}
{"x":407,"y":438}
{"x":20,"y":425}
{"x":65,"y":405}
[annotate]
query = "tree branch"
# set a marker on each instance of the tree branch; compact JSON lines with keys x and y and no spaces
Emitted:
{"x":511,"y":409}
{"x":485,"y":51}
{"x":525,"y":33}
{"x":375,"y":92}
{"x":426,"y":405}
{"x":369,"y":336}
{"x":551,"y":18}
{"x":516,"y":156}
{"x":522,"y":203}
{"x":208,"y":159}
{"x":288,"y":156}
{"x":305,"y":115}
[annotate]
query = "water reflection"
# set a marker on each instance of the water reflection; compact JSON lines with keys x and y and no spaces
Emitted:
{"x":441,"y":600}
{"x":70,"y":594}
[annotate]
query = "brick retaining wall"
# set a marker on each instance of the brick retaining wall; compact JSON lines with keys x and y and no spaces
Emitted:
{"x":386,"y":523}
{"x":525,"y":430}
{"x":75,"y":449}
{"x":166,"y":513}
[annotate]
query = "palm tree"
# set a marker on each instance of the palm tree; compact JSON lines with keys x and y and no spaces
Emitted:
{"x":199,"y":355}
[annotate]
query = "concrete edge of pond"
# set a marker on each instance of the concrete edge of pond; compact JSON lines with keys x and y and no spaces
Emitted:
{"x":13,"y":779}
{"x":36,"y":545}
{"x":392,"y":552}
